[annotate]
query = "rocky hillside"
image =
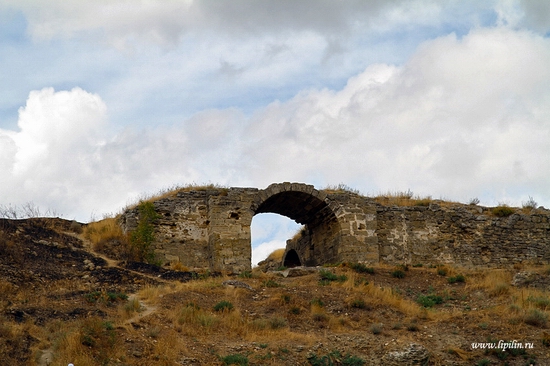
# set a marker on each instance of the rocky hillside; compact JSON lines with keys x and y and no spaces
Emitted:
{"x":63,"y":303}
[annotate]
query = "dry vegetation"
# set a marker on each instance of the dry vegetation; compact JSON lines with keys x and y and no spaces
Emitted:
{"x":54,"y":310}
{"x":173,"y":190}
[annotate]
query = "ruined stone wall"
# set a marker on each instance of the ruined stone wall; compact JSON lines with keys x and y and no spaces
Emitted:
{"x":210,"y":228}
{"x":182,"y":232}
{"x":348,"y":236}
{"x":229,"y":236}
{"x":462,"y":234}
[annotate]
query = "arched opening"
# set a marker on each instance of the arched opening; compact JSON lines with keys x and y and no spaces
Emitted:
{"x":291,"y":259}
{"x":270,"y":232}
{"x":319,"y":240}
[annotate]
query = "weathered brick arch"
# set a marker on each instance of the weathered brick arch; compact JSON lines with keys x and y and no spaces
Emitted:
{"x":337,"y":226}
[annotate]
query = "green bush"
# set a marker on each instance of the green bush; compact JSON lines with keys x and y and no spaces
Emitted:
{"x":245,"y":274}
{"x":536,"y":318}
{"x":105,"y":297}
{"x":457,"y":278}
{"x":429,"y":301}
{"x":142,"y":238}
{"x":361,"y":268}
{"x":540,"y":302}
{"x":328,"y":276}
{"x":271,"y":284}
{"x":236,"y":359}
{"x":484,"y":362}
{"x":442,"y":271}
{"x":223,"y":306}
{"x":358,"y":304}
{"x":398,"y":273}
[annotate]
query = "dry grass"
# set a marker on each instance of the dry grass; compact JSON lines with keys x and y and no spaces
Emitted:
{"x":153,"y":294}
{"x":408,"y":199}
{"x":102,"y":230}
{"x":340,"y":188}
{"x":178,"y":266}
{"x":496,"y":282}
{"x":175,"y":189}
{"x":276,"y":255}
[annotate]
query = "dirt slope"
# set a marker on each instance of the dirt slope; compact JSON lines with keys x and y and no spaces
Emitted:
{"x":62,"y":303}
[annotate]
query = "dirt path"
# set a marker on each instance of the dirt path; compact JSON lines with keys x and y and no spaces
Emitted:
{"x":47,"y":355}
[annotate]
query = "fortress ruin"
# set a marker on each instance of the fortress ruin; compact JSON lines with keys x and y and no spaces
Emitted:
{"x":210,"y":228}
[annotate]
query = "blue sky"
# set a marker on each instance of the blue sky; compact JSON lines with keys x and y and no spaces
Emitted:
{"x":104,"y":101}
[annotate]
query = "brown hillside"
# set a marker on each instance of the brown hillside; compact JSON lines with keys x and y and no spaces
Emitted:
{"x":63,"y":303}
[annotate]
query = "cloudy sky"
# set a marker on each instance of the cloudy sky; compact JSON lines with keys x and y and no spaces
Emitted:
{"x":104,"y":101}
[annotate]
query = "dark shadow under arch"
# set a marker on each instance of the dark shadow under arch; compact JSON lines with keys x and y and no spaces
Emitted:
{"x":292,"y":259}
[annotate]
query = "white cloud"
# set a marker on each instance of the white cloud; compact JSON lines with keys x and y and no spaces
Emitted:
{"x":464,"y":117}
{"x":453,"y":121}
{"x":261,"y":252}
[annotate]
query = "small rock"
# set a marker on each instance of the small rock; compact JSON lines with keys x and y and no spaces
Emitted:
{"x":413,"y":354}
{"x":523,"y":278}
{"x":234,"y":283}
{"x":298,"y":271}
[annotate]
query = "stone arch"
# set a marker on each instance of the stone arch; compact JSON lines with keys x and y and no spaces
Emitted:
{"x":320,"y":239}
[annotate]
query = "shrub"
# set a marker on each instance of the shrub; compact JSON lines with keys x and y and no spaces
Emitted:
{"x":317,"y":302}
{"x":295,"y":310}
{"x":277,"y":323}
{"x":358,"y":304}
{"x":530,"y":203}
{"x":99,"y":337}
{"x":245,"y":274}
{"x":502,"y":211}
{"x":484,"y":362}
{"x":105,"y":297}
{"x":361,"y":268}
{"x":142,"y":238}
{"x":536,"y":318}
{"x":285,"y":298}
{"x":540,"y":302}
{"x":442,"y":271}
{"x":236,"y":359}
{"x":223,"y":306}
{"x":457,"y":278}
{"x":328,"y":276}
{"x":474,"y":201}
{"x":398,"y":273}
{"x":319,"y":317}
{"x":271,"y":284}
{"x":376,"y":329}
{"x":429,"y":301}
